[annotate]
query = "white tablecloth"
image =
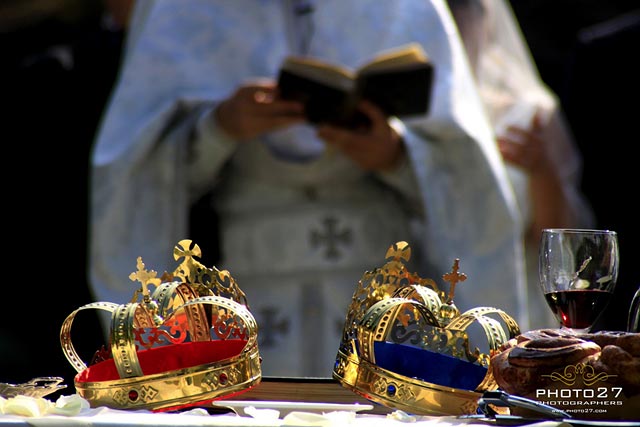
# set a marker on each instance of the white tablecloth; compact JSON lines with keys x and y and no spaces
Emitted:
{"x":104,"y":417}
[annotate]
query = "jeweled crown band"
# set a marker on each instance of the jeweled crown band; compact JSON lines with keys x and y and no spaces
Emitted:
{"x":396,"y":391}
{"x":177,"y":388}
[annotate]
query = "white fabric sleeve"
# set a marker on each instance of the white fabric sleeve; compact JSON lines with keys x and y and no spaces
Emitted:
{"x":403,"y":178}
{"x":210,"y":148}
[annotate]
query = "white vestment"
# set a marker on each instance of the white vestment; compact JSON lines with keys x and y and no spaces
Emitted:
{"x":300,"y":224}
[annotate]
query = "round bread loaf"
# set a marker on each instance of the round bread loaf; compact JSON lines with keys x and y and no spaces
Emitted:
{"x":536,"y":360}
{"x":522,"y":364}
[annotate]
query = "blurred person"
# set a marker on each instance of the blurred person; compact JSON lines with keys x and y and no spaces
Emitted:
{"x":533,"y":135}
{"x":303,"y":210}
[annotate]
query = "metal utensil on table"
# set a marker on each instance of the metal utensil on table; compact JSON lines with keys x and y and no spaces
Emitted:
{"x":37,"y":387}
{"x":501,"y":399}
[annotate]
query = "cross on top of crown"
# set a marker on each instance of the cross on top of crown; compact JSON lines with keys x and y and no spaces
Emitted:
{"x":145,"y":277}
{"x":453,"y":277}
{"x":400,"y":251}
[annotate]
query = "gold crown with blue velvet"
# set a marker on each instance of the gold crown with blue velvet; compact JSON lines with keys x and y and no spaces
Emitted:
{"x":405,"y":344}
{"x":189,"y":342}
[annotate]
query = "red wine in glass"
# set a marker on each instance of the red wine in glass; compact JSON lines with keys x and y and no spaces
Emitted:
{"x":578,"y":309}
{"x":578,"y":273}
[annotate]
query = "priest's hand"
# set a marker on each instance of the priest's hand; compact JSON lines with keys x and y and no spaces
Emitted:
{"x":377,"y":147}
{"x":254,"y":109}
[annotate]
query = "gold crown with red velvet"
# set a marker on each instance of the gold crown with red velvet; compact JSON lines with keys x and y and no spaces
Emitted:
{"x":189,"y":342}
{"x":405,"y":344}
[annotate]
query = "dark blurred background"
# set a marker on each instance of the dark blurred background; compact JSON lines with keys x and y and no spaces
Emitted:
{"x":587,"y":52}
{"x":60,"y":59}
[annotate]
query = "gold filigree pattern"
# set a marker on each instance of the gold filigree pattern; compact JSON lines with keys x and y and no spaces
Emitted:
{"x":205,"y":280}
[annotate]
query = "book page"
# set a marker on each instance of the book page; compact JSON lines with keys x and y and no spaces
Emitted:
{"x":399,"y":58}
{"x":323,"y":72}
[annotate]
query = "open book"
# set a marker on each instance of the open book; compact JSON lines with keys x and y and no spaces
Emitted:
{"x":398,"y":81}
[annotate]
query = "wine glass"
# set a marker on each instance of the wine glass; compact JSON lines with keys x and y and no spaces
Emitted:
{"x":578,"y":272}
